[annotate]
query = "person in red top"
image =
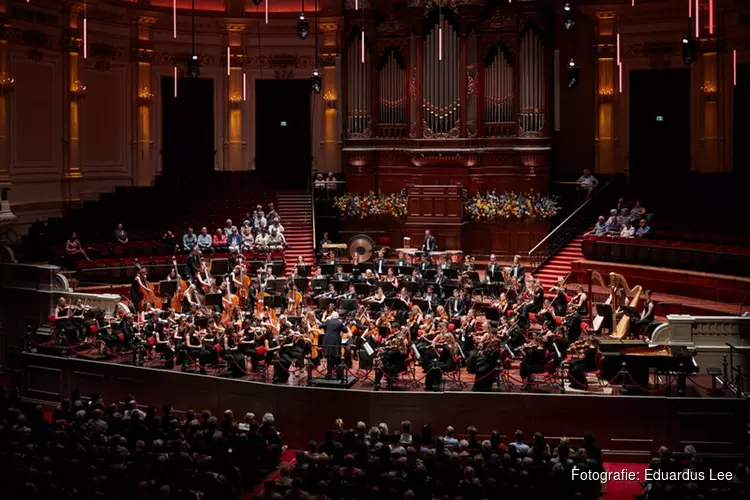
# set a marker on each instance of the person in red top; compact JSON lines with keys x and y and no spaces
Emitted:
{"x":220,"y":241}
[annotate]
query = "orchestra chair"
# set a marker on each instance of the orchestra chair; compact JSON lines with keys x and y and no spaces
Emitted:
{"x":454,"y":376}
{"x":551,"y":377}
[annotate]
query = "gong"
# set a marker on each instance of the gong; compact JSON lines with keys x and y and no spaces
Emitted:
{"x":362,"y":245}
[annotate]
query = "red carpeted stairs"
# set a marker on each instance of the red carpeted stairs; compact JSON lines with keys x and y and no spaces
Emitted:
{"x":559,"y":264}
{"x":295,"y":209}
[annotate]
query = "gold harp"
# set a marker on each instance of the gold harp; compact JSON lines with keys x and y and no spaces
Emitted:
{"x":598,"y":321}
{"x":620,"y":301}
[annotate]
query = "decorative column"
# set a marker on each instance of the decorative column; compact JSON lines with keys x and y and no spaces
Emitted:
{"x":6,"y":87}
{"x":76,"y":92}
{"x":708,"y":160}
{"x":606,"y":92}
{"x":328,"y":160}
{"x":235,"y":144}
{"x":144,"y":168}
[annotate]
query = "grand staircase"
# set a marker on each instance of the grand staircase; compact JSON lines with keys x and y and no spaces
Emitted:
{"x":295,"y":209}
{"x":560,"y":263}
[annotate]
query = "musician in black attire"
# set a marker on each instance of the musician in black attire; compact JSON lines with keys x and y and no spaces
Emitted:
{"x":573,"y":325}
{"x":323,"y":241}
{"x":431,"y":297}
{"x":284,"y":358}
{"x":494,"y":275}
{"x":401,"y":261}
{"x":647,"y":315}
{"x":518,"y":271}
{"x":455,"y":306}
{"x":126,"y":332}
{"x":340,"y":275}
{"x":578,"y":368}
{"x":380,"y":263}
{"x":443,"y":363}
{"x":429,"y":244}
{"x":162,"y":346}
{"x":195,"y":350}
{"x":393,"y":362}
{"x":333,"y":328}
{"x":535,"y":361}
{"x":488,"y":360}
{"x":193,"y":264}
{"x":424,"y":264}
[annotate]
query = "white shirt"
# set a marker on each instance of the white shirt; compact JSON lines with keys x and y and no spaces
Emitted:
{"x":627,"y":232}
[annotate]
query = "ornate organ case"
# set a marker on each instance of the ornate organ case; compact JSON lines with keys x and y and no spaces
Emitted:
{"x":450,"y":92}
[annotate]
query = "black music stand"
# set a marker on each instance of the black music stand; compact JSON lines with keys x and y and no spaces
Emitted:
{"x":429,"y":274}
{"x":273,"y":301}
{"x":213,"y":299}
{"x":472,"y":276}
{"x":347,"y":268}
{"x":364,"y":266}
{"x":319,"y":283}
{"x":349,"y":305}
{"x":304,"y":272}
{"x":340,"y":286}
{"x":323,"y":303}
{"x":327,"y":269}
{"x":219,"y":266}
{"x":301,"y":284}
{"x":374,"y":306}
{"x":278,"y":284}
{"x":384,"y":331}
{"x":364,"y":289}
{"x":387,"y":287}
{"x":405,"y":270}
{"x":451,"y":273}
{"x":168,"y":287}
{"x":396,"y":304}
{"x":294,"y":320}
{"x":492,"y":314}
{"x":411,"y":287}
{"x":423,"y":305}
{"x":201,"y":322}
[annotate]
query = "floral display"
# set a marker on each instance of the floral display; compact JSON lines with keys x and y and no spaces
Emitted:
{"x":371,"y":204}
{"x":511,"y":206}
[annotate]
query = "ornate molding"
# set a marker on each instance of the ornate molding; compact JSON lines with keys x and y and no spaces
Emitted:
{"x":428,"y":5}
{"x":144,"y":55}
{"x":235,"y":27}
{"x":280,"y":61}
{"x":147,"y":20}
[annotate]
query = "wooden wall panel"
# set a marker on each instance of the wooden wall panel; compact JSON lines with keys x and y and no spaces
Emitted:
{"x":36,"y":116}
{"x":717,"y":425}
{"x":105,"y":120}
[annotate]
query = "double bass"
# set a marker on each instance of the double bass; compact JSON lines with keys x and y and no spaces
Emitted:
{"x":229,"y":302}
{"x":148,"y":291}
{"x":176,"y":302}
{"x":244,"y":288}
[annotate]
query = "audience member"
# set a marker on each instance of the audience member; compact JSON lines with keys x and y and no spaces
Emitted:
{"x":627,"y":231}
{"x":189,"y":240}
{"x":600,"y":228}
{"x":121,"y":236}
{"x":587,"y":182}
{"x":205,"y":243}
{"x":643,"y":229}
{"x":74,"y":248}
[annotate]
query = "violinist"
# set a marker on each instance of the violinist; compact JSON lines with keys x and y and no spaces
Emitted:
{"x":444,"y":345}
{"x":63,"y":323}
{"x":162,"y":346}
{"x":536,"y":360}
{"x":393,"y":361}
{"x":236,"y":366}
{"x":518,"y":272}
{"x":501,"y":304}
{"x":585,"y":356}
{"x":257,"y":343}
{"x":195,"y":350}
{"x":560,"y":301}
{"x":431,"y":297}
{"x":488,"y":359}
{"x":403,"y":296}
{"x":580,"y":301}
{"x":190,"y":302}
{"x":441,"y":314}
{"x":546,"y":315}
{"x":370,"y":336}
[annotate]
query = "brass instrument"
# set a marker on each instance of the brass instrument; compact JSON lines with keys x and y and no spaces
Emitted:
{"x":623,"y":327}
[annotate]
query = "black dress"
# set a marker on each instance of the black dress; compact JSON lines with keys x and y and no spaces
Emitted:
{"x":136,"y":294}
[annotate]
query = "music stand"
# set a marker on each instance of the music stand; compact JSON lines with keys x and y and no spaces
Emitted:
{"x":364,"y":289}
{"x":411,"y":287}
{"x":201,"y":323}
{"x":319,"y":283}
{"x":348,"y":304}
{"x":323,"y":303}
{"x":492,"y":314}
{"x":473,"y":276}
{"x":213,"y":299}
{"x":396,"y":304}
{"x":294,"y":320}
{"x":405,"y":270}
{"x":273,"y":301}
{"x":374,"y":306}
{"x":364,"y":266}
{"x":327,"y":269}
{"x":387,"y":287}
{"x":450,"y":273}
{"x":301,"y":284}
{"x":422,"y":304}
{"x":347,"y":268}
{"x":340,"y":286}
{"x":304,"y":272}
{"x":168,"y":287}
{"x":219,"y":266}
{"x":384,"y":331}
{"x":278,"y":284}
{"x":429,"y":274}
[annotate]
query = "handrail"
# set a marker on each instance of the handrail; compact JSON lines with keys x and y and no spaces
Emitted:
{"x":535,"y":261}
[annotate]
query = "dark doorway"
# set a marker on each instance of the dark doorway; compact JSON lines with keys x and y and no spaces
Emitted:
{"x":283,"y":140}
{"x":187,"y":126}
{"x":741,"y":125}
{"x":659,"y":127}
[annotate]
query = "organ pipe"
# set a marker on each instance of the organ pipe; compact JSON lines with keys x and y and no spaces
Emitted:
{"x":498,"y":89}
{"x":440,"y":82}
{"x":531,"y":85}
{"x":392,"y":99}
{"x":358,"y":96}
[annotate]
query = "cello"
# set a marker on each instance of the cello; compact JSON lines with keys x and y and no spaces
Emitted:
{"x":148,"y":292}
{"x":176,"y":302}
{"x":229,"y":302}
{"x":244,"y":288}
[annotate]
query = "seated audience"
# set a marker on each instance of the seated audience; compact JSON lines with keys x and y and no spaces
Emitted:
{"x":637,"y":212}
{"x":600,"y":228}
{"x":189,"y":240}
{"x":121,"y":236}
{"x":627,"y":231}
{"x":587,"y":182}
{"x":643,"y":229}
{"x":74,"y":248}
{"x":613,"y":226}
{"x":220,"y":241}
{"x":205,"y":243}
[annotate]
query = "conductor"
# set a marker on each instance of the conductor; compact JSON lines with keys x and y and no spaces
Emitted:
{"x":429,"y":244}
{"x":332,"y":342}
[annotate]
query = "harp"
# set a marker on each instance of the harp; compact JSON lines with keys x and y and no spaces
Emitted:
{"x":605,"y":313}
{"x":625,"y":299}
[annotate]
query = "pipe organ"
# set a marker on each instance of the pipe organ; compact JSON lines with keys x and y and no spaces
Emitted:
{"x":531,"y":85}
{"x":441,"y":96}
{"x":392,"y":89}
{"x":358,"y":81}
{"x":498,"y":86}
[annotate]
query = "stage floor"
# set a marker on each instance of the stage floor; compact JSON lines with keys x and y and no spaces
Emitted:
{"x":414,"y":379}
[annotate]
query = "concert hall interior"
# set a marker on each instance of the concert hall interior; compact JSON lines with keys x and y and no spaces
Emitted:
{"x":457,"y":219}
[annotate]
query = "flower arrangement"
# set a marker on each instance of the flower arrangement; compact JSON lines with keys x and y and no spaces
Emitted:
{"x":367,"y":205}
{"x":511,"y":206}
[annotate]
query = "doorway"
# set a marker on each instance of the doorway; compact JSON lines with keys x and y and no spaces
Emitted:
{"x":187,"y":126}
{"x":283,"y":137}
{"x":659,"y":127}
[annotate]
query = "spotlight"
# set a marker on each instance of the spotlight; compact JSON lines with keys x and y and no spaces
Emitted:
{"x":316,"y":81}
{"x":568,"y":17}
{"x":303,"y":27}
{"x":194,"y":67}
{"x":257,"y":2}
{"x":574,"y":74}
{"x":689,"y":50}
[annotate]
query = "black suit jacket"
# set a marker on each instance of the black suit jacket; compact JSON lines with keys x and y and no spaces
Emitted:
{"x":332,"y":338}
{"x":377,"y":264}
{"x":517,"y":271}
{"x":429,"y":244}
{"x":458,"y":302}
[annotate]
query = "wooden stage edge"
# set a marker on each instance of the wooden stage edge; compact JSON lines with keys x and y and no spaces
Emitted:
{"x":628,"y":428}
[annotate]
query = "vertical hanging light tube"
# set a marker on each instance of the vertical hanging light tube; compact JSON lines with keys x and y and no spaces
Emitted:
{"x":362,"y":48}
{"x":356,"y":4}
{"x":85,"y":32}
{"x":710,"y":17}
{"x":734,"y":67}
{"x":175,"y":80}
{"x":244,"y":86}
{"x":620,"y":77}
{"x":697,"y":19}
{"x":440,"y":37}
{"x":690,"y":8}
{"x":267,"y":2}
{"x":174,"y":19}
{"x":229,"y":60}
{"x":618,"y":49}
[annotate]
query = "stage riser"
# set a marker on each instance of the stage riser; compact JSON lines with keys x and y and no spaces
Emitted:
{"x":629,"y":427}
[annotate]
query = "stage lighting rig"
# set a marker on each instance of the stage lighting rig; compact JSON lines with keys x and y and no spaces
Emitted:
{"x":303,"y":27}
{"x":569,"y":19}
{"x":194,"y":67}
{"x":316,"y":81}
{"x":574,"y":74}
{"x":689,"y":50}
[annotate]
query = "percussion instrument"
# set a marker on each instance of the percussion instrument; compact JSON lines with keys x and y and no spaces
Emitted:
{"x":334,"y":246}
{"x":361,"y":245}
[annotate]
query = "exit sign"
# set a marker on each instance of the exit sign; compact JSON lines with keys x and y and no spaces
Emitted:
{"x":283,"y":124}
{"x":659,"y":118}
